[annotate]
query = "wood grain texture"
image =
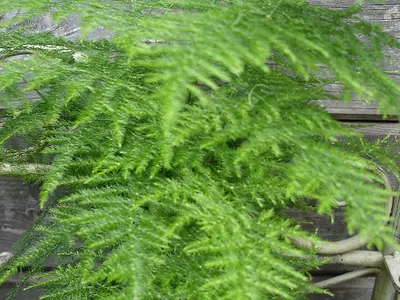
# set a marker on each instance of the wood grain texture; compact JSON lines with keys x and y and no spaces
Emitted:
{"x":18,"y":209}
{"x":356,"y":289}
{"x":322,"y":224}
{"x":6,"y":288}
{"x":387,"y":15}
{"x":354,"y":111}
{"x":375,"y":130}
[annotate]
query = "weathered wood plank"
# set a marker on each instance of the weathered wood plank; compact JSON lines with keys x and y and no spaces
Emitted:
{"x":6,"y":288}
{"x":386,"y":14}
{"x":356,"y":289}
{"x":375,"y":130}
{"x":18,"y":210}
{"x":322,"y":224}
{"x":381,"y":4}
{"x":354,"y":111}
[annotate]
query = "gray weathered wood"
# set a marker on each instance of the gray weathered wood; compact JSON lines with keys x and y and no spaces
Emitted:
{"x":386,"y":14}
{"x":354,"y":111}
{"x":6,"y":288}
{"x":375,"y":130}
{"x":18,"y":209}
{"x":357,"y":289}
{"x":322,"y":224}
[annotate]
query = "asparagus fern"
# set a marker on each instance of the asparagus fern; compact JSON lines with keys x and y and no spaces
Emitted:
{"x":177,"y":143}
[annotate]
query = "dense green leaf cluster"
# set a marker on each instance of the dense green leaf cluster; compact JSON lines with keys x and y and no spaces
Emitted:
{"x":178,"y":142}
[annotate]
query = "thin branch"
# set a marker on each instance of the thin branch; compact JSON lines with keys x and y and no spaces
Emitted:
{"x":14,"y":169}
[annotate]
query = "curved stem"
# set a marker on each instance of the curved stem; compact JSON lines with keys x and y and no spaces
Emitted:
{"x":354,"y":258}
{"x":350,"y":244}
{"x":14,"y":169}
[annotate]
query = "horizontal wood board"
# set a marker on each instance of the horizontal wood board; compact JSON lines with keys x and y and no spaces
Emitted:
{"x":386,"y":14}
{"x":18,"y":209}
{"x":6,"y":288}
{"x":356,"y":289}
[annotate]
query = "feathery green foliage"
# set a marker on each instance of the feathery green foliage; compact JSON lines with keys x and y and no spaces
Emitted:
{"x":178,"y":142}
